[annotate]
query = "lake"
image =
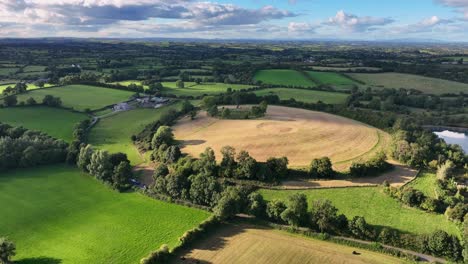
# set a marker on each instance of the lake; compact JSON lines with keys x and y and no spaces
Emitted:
{"x":454,"y":138}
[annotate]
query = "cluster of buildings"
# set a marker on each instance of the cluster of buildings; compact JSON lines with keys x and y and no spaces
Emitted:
{"x":143,"y":102}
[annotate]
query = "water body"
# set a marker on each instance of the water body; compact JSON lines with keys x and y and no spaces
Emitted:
{"x":454,"y":138}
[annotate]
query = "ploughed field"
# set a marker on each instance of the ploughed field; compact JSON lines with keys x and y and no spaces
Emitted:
{"x":249,"y":244}
{"x":298,"y":134}
{"x":57,"y":214}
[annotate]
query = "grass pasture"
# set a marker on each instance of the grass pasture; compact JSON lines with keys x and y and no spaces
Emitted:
{"x":303,"y":95}
{"x":331,"y":78}
{"x":250,"y":244}
{"x":56,"y":214}
{"x":55,"y":122}
{"x":409,"y":81}
{"x":80,"y":97}
{"x":376,"y":207}
{"x":113,"y":133}
{"x":193,"y":89}
{"x":298,"y":134}
{"x":426,"y":182}
{"x":283,"y":77}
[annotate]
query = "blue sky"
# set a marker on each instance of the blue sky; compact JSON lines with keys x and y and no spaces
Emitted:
{"x":260,"y":19}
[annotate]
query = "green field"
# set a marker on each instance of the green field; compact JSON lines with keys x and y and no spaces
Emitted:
{"x":81,"y":97}
{"x":283,"y":77}
{"x":193,"y":89}
{"x":34,"y":68}
{"x":56,"y":214}
{"x":425,"y":182}
{"x":56,"y":122}
{"x":344,"y":69}
{"x":302,"y":95}
{"x":31,"y":86}
{"x":7,"y":71}
{"x":376,"y":207}
{"x":114,"y":133}
{"x":409,"y":81}
{"x":331,"y":78}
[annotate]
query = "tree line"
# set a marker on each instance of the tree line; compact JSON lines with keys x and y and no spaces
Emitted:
{"x":21,"y":148}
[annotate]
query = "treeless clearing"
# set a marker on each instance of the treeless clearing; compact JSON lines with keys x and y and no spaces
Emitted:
{"x":298,"y":134}
{"x":397,"y":177}
{"x":248,"y":244}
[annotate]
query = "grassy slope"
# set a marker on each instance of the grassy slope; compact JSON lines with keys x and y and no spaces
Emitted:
{"x":283,"y":77}
{"x":56,"y":122}
{"x":330,"y":78}
{"x":59,"y":213}
{"x":408,"y":81}
{"x":193,"y":89}
{"x":308,"y":96}
{"x":426,"y":183}
{"x":114,"y":133}
{"x":80,"y":97}
{"x":378,"y":208}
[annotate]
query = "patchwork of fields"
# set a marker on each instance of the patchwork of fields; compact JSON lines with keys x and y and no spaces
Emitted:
{"x":56,"y":122}
{"x":80,"y":97}
{"x":376,"y":207}
{"x":409,"y":81}
{"x":56,"y":214}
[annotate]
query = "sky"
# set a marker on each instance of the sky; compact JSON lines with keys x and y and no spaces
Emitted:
{"x":445,"y":20}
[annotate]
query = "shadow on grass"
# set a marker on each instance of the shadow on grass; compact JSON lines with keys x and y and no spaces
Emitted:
{"x":39,"y":260}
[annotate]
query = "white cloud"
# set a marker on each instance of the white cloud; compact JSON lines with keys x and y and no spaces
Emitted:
{"x":355,"y":23}
{"x":460,"y":5}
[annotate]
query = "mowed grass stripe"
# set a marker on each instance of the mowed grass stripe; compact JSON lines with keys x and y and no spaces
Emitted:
{"x":80,"y":97}
{"x":60,"y":214}
{"x":56,"y":122}
{"x":378,"y":208}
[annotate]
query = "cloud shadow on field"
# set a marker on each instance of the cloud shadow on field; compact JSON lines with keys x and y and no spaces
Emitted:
{"x":39,"y":260}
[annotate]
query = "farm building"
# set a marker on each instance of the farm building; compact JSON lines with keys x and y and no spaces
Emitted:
{"x":122,"y":107}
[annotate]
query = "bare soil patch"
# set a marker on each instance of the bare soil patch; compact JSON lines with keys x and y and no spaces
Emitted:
{"x":298,"y":134}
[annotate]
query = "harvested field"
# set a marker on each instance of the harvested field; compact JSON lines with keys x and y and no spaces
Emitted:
{"x":400,"y":175}
{"x":298,"y":134}
{"x":249,"y":244}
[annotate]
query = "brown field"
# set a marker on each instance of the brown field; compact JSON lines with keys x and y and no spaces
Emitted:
{"x":399,"y":176}
{"x":248,"y":244}
{"x":301,"y":135}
